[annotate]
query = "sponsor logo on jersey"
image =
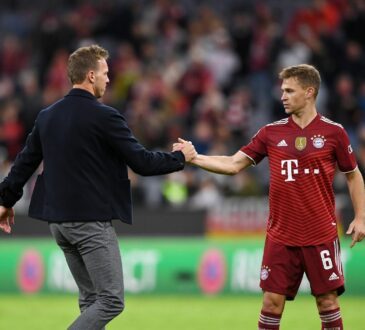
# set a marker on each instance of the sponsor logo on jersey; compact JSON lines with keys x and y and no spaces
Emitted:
{"x":318,"y":141}
{"x":265,"y":272}
{"x":349,"y":148}
{"x":333,"y":277}
{"x":289,"y":168}
{"x":300,"y":142}
{"x":282,"y":143}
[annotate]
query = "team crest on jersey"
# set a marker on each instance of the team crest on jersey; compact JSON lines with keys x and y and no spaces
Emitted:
{"x":265,"y":272}
{"x":318,"y":141}
{"x":300,"y":142}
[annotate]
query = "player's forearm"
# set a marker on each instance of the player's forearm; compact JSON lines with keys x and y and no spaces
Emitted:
{"x":216,"y":164}
{"x":357,"y":194}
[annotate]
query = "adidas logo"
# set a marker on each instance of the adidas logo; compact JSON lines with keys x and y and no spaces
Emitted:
{"x":333,"y":277}
{"x":282,"y":143}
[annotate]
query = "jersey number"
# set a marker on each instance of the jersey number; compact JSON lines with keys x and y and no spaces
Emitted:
{"x":326,"y":260}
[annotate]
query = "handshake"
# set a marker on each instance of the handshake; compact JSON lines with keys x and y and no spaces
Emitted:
{"x":187,"y":148}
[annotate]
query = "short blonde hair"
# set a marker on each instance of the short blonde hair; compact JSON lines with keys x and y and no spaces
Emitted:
{"x":306,"y":75}
{"x":84,"y":59}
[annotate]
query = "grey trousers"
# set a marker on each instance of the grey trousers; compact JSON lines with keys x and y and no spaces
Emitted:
{"x":92,"y":254}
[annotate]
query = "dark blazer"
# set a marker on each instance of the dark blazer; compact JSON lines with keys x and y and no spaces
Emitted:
{"x":86,"y":147}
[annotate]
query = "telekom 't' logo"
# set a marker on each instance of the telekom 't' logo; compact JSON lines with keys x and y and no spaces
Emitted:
{"x":289,"y":167}
{"x":288,"y":170}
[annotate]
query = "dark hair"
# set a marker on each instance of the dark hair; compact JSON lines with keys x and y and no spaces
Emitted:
{"x":84,"y":59}
{"x":306,"y":75}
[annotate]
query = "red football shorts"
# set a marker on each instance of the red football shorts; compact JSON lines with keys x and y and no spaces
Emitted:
{"x":283,"y":267}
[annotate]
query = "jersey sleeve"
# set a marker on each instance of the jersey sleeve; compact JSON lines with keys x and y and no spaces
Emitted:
{"x":345,"y":156}
{"x":256,"y":150}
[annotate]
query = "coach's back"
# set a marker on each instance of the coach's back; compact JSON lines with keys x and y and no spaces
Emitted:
{"x":86,"y":147}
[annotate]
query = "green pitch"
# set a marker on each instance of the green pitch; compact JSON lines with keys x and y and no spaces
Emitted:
{"x":51,"y":312}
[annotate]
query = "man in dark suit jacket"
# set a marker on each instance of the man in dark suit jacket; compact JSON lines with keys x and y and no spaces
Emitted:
{"x":85,"y":147}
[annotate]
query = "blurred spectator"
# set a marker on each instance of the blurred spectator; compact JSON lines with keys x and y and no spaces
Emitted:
{"x":13,"y":56}
{"x":264,"y":36}
{"x":11,"y":128}
{"x":241,"y":34}
{"x":202,"y":136}
{"x":318,"y":16}
{"x":56,"y":80}
{"x":208,"y":195}
{"x":125,"y":71}
{"x":353,"y":22}
{"x":238,"y":115}
{"x":206,"y":71}
{"x":196,"y":79}
{"x":360,"y":152}
{"x":353,"y":62}
{"x":361,"y":100}
{"x":344,"y":107}
{"x":31,"y":97}
{"x":7,"y":87}
{"x":293,"y":52}
{"x":175,"y":190}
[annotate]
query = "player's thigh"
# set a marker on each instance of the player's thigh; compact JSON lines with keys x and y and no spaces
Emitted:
{"x":281,"y":270}
{"x":324,"y":268}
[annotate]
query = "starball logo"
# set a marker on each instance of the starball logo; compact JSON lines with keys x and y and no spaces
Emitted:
{"x":290,"y":168}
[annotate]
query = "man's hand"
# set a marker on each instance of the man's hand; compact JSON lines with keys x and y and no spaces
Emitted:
{"x":356,"y":230}
{"x":187,"y":148}
{"x":6,"y":219}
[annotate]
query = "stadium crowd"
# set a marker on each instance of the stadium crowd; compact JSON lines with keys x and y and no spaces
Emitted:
{"x":205,"y":71}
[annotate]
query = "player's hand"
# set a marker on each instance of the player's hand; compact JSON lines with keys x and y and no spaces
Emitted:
{"x":187,"y":148}
{"x":177,"y":146}
{"x":356,"y":230}
{"x":6,"y":219}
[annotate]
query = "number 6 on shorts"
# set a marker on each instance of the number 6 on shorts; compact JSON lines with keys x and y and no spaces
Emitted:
{"x":326,"y":260}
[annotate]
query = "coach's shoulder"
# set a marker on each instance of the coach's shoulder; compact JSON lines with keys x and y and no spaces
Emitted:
{"x":109,"y":113}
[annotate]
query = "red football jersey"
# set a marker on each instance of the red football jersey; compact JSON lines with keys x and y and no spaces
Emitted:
{"x":302,"y":168}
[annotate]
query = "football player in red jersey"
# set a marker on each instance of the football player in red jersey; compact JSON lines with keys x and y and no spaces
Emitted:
{"x":304,"y":151}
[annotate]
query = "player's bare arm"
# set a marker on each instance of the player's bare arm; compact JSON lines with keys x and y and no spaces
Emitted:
{"x":355,"y":184}
{"x":229,"y":165}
